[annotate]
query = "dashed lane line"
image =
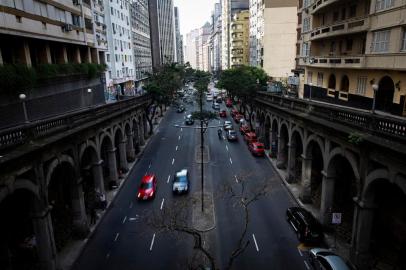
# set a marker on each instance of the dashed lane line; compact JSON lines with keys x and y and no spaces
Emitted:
{"x":179,"y":138}
{"x":300,"y":252}
{"x":149,"y":166}
{"x":226,"y":147}
{"x":115,"y":239}
{"x":124,"y":219}
{"x":181,"y":129}
{"x":307,"y":266}
{"x":169,"y":177}
{"x":173,"y":161}
{"x":131,"y":205}
{"x":231,"y":161}
{"x":162,"y":203}
{"x":152,"y":242}
{"x":255,"y":241}
{"x":236,"y":179}
{"x":176,"y":149}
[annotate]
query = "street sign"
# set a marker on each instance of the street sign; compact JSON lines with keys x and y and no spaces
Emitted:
{"x":336,"y":218}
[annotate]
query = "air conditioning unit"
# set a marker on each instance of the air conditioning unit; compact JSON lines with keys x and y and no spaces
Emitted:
{"x":67,"y":27}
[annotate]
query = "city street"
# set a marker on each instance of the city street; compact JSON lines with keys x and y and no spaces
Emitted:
{"x":123,"y":241}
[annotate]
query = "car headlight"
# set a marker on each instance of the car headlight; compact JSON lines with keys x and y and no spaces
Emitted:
{"x":139,"y":194}
{"x":152,"y":193}
{"x":186,"y":188}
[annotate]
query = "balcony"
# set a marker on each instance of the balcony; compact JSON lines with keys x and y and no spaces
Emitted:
{"x":341,"y":61}
{"x":350,"y":26}
{"x":320,"y":5}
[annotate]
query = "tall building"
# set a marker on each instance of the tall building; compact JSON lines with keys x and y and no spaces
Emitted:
{"x":228,"y":9}
{"x":256,"y":32}
{"x":120,"y":58}
{"x":178,"y":38}
{"x":141,"y":39}
{"x":162,"y":32}
{"x":239,"y":37}
{"x":191,"y":47}
{"x":215,"y":40}
{"x":354,"y":53}
{"x":203,"y":45}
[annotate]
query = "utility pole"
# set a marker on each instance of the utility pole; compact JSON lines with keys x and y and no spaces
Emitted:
{"x":201,"y":148}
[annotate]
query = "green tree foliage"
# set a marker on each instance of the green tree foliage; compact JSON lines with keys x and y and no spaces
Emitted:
{"x":243,"y":82}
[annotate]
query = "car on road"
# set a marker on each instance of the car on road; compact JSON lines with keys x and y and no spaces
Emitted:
{"x":238,"y":117}
{"x":181,"y":109}
{"x":244,"y":129}
{"x":231,"y":135}
{"x":250,"y":137}
{"x":209,"y":98}
{"x":189,"y":120}
{"x":256,"y":148}
{"x":234,"y":112}
{"x":181,"y":183}
{"x":307,"y":228}
{"x":223,"y":113}
{"x":322,"y":258}
{"x":229,"y":103}
{"x":216,"y":106}
{"x":219,"y":100}
{"x":147,"y":188}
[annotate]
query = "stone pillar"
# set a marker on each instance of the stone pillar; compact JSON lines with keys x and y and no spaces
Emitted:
{"x":112,"y":164}
{"x":25,"y":56}
{"x":305,"y":195}
{"x":45,"y":54}
{"x":291,"y":176}
{"x":123,"y":156}
{"x":327,"y":198}
{"x":97,"y":171}
{"x":81,"y":226}
{"x":62,"y":57}
{"x":1,"y":58}
{"x":130,"y":147}
{"x":88,"y":58}
{"x":44,"y":238}
{"x":141,"y":134}
{"x":95,"y":57}
{"x":77,"y":58}
{"x":360,"y":250}
{"x":281,"y":158}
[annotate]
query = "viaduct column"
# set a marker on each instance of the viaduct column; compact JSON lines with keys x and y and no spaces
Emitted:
{"x":327,"y":197}
{"x":305,"y":195}
{"x":123,"y":157}
{"x":130,"y":147}
{"x":112,"y":164}
{"x":291,"y":175}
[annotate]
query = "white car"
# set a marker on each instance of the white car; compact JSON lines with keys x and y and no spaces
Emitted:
{"x":322,"y":258}
{"x":227,"y":123}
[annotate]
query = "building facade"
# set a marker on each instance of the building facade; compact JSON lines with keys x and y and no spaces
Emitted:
{"x":256,"y":32}
{"x":239,"y":48}
{"x":215,"y":40}
{"x":191,"y":52}
{"x":203,"y":46}
{"x":120,"y":57}
{"x":354,"y":53}
{"x":141,"y":39}
{"x":178,"y":38}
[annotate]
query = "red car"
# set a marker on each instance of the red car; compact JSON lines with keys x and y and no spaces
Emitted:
{"x":256,"y":148}
{"x":223,"y":113}
{"x":244,"y":129}
{"x":229,"y":103}
{"x":238,"y":117}
{"x":147,"y":189}
{"x":234,"y":112}
{"x":250,"y":137}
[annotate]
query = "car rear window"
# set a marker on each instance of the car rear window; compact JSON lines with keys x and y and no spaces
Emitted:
{"x":146,"y":185}
{"x":259,"y":147}
{"x":180,"y":179}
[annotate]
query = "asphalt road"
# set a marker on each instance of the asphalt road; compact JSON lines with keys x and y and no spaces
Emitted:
{"x":123,"y":241}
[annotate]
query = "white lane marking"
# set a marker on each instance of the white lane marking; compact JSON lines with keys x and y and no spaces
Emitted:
{"x":219,"y":122}
{"x":162,"y":203}
{"x":179,"y":138}
{"x":255,"y":241}
{"x":115,"y":239}
{"x":236,"y":179}
{"x":181,"y":129}
{"x":307,"y":266}
{"x":152,"y":243}
{"x":108,"y":255}
{"x":169,"y":177}
{"x":173,"y":161}
{"x":132,"y":219}
{"x":149,"y":166}
{"x":227,"y":147}
{"x":131,"y":205}
{"x":300,"y":252}
{"x":176,"y":149}
{"x":231,"y":161}
{"x":124,"y":219}
{"x":224,"y":137}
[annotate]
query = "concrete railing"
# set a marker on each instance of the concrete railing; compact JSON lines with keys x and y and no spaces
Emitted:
{"x":386,"y":127}
{"x":24,"y":133}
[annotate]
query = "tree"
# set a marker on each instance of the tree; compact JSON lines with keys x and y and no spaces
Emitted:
{"x":244,"y":82}
{"x":174,"y":218}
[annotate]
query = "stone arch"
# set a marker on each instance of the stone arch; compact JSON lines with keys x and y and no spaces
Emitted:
{"x":17,"y":185}
{"x":299,"y":131}
{"x":318,"y":140}
{"x":345,"y":84}
{"x":296,"y":141}
{"x":87,"y":144}
{"x":282,"y":158}
{"x":385,"y":94}
{"x":55,"y":163}
{"x":351,"y":159}
{"x":332,"y":81}
{"x":105,"y":134}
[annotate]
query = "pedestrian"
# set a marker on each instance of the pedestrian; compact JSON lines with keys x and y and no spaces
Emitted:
{"x":93,"y":216}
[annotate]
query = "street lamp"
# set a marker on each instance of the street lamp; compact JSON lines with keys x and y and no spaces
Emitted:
{"x":310,"y":91}
{"x":89,"y":98}
{"x":375,"y":87}
{"x":22,"y":97}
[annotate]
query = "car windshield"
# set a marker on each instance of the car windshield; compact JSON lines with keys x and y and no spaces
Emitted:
{"x":259,"y":147}
{"x":232,"y":132}
{"x":146,"y":185}
{"x":180,"y":179}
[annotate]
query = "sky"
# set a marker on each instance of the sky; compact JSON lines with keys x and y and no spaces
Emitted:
{"x":193,"y":13}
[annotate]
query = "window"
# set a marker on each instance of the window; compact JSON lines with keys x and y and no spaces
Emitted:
{"x":306,"y":24}
{"x":309,"y":77}
{"x":108,"y":57}
{"x":383,"y":4}
{"x":404,"y":40}
{"x":362,"y":85}
{"x":380,"y":41}
{"x":112,"y":11}
{"x":306,"y":49}
{"x":320,"y":79}
{"x":335,"y":16}
{"x":349,"y":45}
{"x":18,"y":19}
{"x":353,"y":11}
{"x":75,"y":20}
{"x":44,"y":25}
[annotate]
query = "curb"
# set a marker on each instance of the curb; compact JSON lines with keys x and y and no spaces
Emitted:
{"x":118,"y":190}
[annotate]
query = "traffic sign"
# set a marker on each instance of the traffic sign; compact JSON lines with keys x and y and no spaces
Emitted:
{"x":336,"y":218}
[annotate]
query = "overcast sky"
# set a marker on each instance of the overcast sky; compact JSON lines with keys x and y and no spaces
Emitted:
{"x":193,"y":13}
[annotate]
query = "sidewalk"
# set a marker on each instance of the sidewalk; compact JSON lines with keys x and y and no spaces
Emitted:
{"x":68,"y":256}
{"x":335,"y":244}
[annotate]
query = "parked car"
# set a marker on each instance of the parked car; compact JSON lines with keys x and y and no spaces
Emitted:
{"x":147,"y":189}
{"x":219,"y":100}
{"x":231,"y":135}
{"x":229,"y":103}
{"x":244,"y":129}
{"x":209,"y":98}
{"x":216,"y":106}
{"x":234,"y":112}
{"x":256,"y":148}
{"x":227,"y":123}
{"x":180,"y":183}
{"x":250,"y":137}
{"x":322,"y":258}
{"x":223,"y":113}
{"x":189,"y":120}
{"x":238,"y":117}
{"x":180,"y":109}
{"x":307,"y":228}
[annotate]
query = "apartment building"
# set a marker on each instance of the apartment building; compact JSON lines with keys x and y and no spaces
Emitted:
{"x":203,"y":45}
{"x":120,"y":57}
{"x":191,"y":47}
{"x":354,"y":53}
{"x":239,"y":33}
{"x":178,"y":38}
{"x":141,"y":40}
{"x":256,"y":24}
{"x":215,"y":40}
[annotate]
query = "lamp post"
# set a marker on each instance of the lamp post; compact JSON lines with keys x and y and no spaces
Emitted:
{"x":310,"y":90}
{"x":375,"y":87}
{"x":22,"y":97}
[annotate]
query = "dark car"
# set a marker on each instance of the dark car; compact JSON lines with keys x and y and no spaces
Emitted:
{"x":219,"y":100}
{"x":180,"y":109}
{"x":229,"y":103}
{"x":189,"y":120}
{"x":181,"y":182}
{"x":231,"y":135}
{"x":307,"y":228}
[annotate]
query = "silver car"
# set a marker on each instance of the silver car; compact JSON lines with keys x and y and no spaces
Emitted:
{"x":322,"y":258}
